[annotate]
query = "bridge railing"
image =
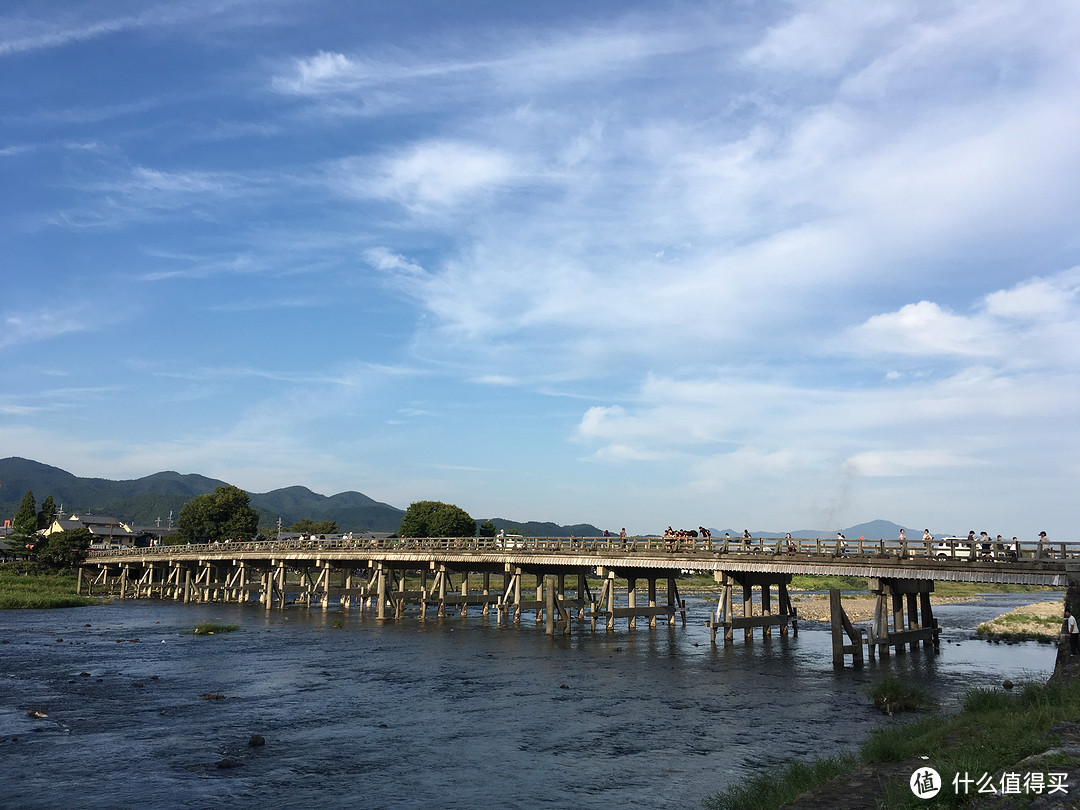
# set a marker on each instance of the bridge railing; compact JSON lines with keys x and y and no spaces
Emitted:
{"x":602,"y":546}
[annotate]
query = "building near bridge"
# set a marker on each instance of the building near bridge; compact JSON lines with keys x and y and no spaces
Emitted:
{"x":107,"y":532}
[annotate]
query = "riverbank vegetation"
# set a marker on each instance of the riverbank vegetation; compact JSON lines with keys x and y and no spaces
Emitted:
{"x":892,"y":694}
{"x":1038,"y":622}
{"x":992,"y":733}
{"x":213,"y":628}
{"x":23,"y":587}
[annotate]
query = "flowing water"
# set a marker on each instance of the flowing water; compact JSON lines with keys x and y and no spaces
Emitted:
{"x":451,"y":713}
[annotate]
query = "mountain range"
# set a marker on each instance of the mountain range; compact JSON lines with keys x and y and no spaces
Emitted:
{"x":155,"y":499}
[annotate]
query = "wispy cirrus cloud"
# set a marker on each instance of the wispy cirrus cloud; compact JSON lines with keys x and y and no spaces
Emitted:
{"x":33,"y":326}
{"x":529,"y":59}
{"x":66,"y":23}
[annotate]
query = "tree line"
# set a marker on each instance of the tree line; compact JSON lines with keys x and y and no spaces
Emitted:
{"x":219,"y":516}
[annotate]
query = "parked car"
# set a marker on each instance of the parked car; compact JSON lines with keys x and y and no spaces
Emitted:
{"x":957,"y":548}
{"x":509,"y":540}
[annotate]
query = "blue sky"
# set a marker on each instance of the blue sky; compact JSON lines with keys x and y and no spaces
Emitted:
{"x":766,"y":265}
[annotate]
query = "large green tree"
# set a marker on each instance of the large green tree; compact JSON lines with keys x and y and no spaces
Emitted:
{"x":24,"y":525}
{"x":224,"y":514}
{"x":63,"y":549}
{"x":436,"y":519}
{"x":47,"y":514}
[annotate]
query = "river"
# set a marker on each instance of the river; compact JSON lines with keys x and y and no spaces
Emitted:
{"x":451,"y":713}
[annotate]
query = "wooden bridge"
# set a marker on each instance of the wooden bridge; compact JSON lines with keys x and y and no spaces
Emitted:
{"x":558,"y":579}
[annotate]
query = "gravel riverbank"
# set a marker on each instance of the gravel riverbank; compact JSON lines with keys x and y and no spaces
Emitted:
{"x":814,"y":607}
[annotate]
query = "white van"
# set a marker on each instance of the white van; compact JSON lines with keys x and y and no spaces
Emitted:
{"x":504,"y":540}
{"x":957,"y":548}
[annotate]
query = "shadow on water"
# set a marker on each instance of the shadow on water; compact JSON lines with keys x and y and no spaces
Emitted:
{"x":450,"y":712}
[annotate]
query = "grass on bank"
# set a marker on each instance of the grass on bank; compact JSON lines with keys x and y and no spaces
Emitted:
{"x":213,"y":628}
{"x":22,"y":587}
{"x":1021,"y":627}
{"x":992,"y":733}
{"x":771,"y":789}
{"x":892,"y":694}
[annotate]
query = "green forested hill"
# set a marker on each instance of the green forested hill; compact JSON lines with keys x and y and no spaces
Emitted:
{"x":149,"y":501}
{"x":145,"y":501}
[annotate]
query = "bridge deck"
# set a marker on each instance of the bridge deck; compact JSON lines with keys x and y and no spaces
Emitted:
{"x":1034,"y":565}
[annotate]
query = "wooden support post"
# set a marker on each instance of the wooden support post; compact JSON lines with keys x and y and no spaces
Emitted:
{"x":748,"y":610}
{"x":548,"y":590}
{"x":898,"y":619}
{"x":786,"y":608}
{"x":486,"y":587}
{"x":928,"y":621}
{"x":610,"y":586}
{"x":539,"y":598}
{"x":380,"y":592}
{"x":78,"y":582}
{"x":913,"y":616}
{"x":766,"y":608}
{"x":187,"y":585}
{"x":281,"y":581}
{"x":836,"y":627}
{"x":517,"y":596}
{"x":652,"y":600}
{"x":442,"y":591}
{"x":267,"y":595}
{"x":673,"y":601}
{"x":841,"y":626}
{"x":631,"y":601}
{"x":729,"y":606}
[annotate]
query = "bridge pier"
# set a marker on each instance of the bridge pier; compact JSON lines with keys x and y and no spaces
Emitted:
{"x":725,"y":615}
{"x":606,"y":604}
{"x":907,"y":629}
{"x":841,"y":625}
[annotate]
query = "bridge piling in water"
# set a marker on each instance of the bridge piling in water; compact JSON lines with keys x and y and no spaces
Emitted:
{"x":725,"y":616}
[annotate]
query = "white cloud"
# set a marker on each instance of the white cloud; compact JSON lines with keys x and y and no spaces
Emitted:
{"x":925,"y":329}
{"x":1036,"y":323}
{"x":887,"y":463}
{"x":432,"y":174}
{"x":35,"y":326}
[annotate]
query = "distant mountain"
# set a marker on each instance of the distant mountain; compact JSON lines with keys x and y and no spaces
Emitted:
{"x":875,"y":529}
{"x":352,"y":511}
{"x":534,"y":528}
{"x":145,"y":501}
